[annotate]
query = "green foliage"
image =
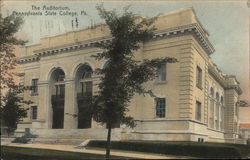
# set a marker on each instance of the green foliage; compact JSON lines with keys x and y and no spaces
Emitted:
{"x":23,"y":140}
{"x":192,"y":149}
{"x":8,"y":27}
{"x":124,"y":76}
{"x":12,"y":111}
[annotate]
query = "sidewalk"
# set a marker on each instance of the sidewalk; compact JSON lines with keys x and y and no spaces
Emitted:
{"x":71,"y":148}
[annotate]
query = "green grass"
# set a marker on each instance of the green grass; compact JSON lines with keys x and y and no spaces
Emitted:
{"x":21,"y":153}
{"x":191,"y":149}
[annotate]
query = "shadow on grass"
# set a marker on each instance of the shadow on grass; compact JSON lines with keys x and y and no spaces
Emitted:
{"x":20,"y":153}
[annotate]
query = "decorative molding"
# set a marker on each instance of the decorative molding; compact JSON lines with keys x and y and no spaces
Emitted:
{"x":43,"y":83}
{"x":194,"y":29}
{"x":27,"y":59}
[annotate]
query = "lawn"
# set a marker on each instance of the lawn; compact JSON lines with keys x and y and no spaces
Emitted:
{"x":19,"y":153}
{"x":191,"y":149}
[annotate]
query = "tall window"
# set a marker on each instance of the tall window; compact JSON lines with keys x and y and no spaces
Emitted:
{"x":33,"y":112}
{"x":198,"y":111}
{"x":211,"y":109}
{"x":162,"y":73}
{"x":160,"y":107}
{"x":217,"y":118}
{"x":222,"y":114}
{"x":198,"y":77}
{"x":34,"y":86}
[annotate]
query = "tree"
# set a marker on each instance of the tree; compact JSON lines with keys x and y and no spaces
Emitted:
{"x":124,"y":76}
{"x":8,"y":27}
{"x":12,"y":111}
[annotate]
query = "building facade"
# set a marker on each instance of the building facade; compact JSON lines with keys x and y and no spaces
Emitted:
{"x":195,"y":100}
{"x":245,"y":131}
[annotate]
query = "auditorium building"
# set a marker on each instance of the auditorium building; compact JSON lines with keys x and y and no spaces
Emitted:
{"x":194,"y":101}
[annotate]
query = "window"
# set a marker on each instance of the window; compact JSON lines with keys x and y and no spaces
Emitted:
{"x":33,"y":112}
{"x":87,"y":88}
{"x":60,"y":78}
{"x":87,"y":74}
{"x":60,"y":89}
{"x":217,"y":111}
{"x":34,"y":86}
{"x":198,"y":77}
{"x":222,"y":118}
{"x":161,"y":73}
{"x":160,"y":107}
{"x":211,"y":110}
{"x":198,"y":111}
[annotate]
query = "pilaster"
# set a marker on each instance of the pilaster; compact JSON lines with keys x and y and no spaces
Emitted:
{"x":70,"y":105}
{"x":186,"y":80}
{"x":44,"y":108}
{"x":206,"y":101}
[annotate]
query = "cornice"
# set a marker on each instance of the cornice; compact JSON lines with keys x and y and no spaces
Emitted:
{"x":192,"y":29}
{"x":217,"y":76}
{"x":222,"y":79}
{"x":27,"y":59}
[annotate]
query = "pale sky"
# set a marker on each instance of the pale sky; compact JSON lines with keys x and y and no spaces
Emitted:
{"x":226,"y":21}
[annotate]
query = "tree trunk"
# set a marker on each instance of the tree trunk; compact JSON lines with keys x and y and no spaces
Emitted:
{"x":108,"y":143}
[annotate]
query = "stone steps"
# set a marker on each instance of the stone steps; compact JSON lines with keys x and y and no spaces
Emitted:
{"x":68,"y":136}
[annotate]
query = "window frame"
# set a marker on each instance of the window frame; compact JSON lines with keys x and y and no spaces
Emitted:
{"x":161,"y":73}
{"x":34,"y":87}
{"x":198,"y":108}
{"x":34,"y":113}
{"x":160,"y":112}
{"x":199,"y":77}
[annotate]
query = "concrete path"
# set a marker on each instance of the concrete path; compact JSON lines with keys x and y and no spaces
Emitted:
{"x":71,"y":148}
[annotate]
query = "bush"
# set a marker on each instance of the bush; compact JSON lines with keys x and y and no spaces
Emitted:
{"x":193,"y":149}
{"x":21,"y":140}
{"x":24,"y":139}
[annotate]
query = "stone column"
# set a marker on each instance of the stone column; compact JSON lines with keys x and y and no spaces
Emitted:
{"x":44,"y":108}
{"x":70,"y":105}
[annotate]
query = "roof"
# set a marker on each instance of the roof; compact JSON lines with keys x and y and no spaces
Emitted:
{"x":244,"y":125}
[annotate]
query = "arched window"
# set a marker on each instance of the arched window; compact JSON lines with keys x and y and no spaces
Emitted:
{"x":84,"y":87}
{"x":57,"y":98}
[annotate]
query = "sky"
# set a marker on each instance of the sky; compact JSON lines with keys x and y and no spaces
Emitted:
{"x":227,"y":23}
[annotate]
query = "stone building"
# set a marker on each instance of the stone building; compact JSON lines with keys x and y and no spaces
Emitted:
{"x":245,"y":131}
{"x":196,"y":101}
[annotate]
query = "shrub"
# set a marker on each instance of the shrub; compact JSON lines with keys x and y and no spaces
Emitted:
{"x":21,"y":140}
{"x":194,"y":149}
